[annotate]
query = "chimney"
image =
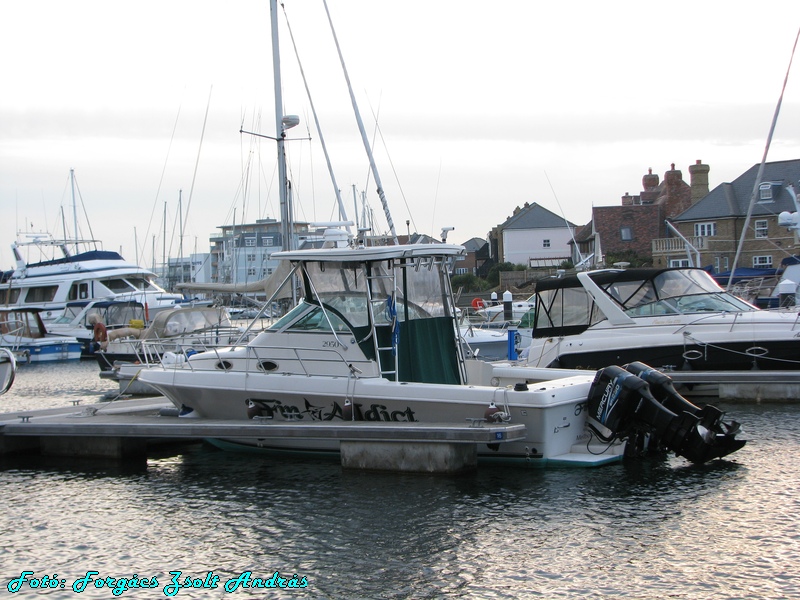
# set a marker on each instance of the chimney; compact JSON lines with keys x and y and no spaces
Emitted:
{"x":698,"y":174}
{"x":649,"y":181}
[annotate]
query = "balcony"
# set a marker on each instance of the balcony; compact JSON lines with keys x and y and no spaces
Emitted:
{"x":669,"y":245}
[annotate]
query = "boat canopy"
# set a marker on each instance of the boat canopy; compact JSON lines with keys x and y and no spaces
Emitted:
{"x":395,"y":300}
{"x":570,"y":305}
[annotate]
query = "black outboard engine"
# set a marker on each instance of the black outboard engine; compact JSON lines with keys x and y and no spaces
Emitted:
{"x":624,"y":403}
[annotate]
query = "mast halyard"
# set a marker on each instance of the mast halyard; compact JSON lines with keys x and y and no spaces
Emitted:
{"x":364,"y":139}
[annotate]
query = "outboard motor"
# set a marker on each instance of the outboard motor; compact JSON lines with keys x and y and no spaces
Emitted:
{"x":624,"y":403}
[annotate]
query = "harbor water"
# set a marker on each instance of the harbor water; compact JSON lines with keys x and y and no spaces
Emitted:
{"x":658,"y":528}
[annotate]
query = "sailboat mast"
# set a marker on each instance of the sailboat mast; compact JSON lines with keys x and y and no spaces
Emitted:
{"x":74,"y":208}
{"x":280,"y":134}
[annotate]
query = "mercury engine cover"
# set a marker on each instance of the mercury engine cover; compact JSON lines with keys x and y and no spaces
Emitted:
{"x":624,"y":402}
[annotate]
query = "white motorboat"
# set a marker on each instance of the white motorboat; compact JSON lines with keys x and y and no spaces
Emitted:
{"x":80,"y":318}
{"x":375,"y":338}
{"x":8,"y":370}
{"x":23,"y":333}
{"x":60,"y":276}
{"x":671,"y":319}
{"x":182,"y":329}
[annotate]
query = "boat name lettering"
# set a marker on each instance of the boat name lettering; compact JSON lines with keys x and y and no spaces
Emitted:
{"x":330,"y":344}
{"x":376,"y":412}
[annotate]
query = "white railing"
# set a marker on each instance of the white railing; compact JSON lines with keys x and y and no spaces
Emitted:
{"x":664,"y":245}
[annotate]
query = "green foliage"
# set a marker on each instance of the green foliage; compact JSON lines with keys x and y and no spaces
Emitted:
{"x":493,"y":277}
{"x":629,"y":257}
{"x":469,"y":283}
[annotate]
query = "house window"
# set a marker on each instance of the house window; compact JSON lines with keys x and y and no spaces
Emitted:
{"x":267,"y":242}
{"x":461,"y":271}
{"x":680,"y":262}
{"x":761,"y":228}
{"x":251,"y":271}
{"x":765,"y":192}
{"x":545,"y":243}
{"x":626,"y":233}
{"x":762,"y":262}
{"x":251,"y":241}
{"x":705,"y":229}
{"x":251,"y":258}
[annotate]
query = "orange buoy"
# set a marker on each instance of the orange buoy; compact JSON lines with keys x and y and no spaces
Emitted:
{"x":478,"y":304}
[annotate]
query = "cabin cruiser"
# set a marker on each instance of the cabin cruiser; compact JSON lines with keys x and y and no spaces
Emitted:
{"x":80,"y":319}
{"x":671,"y":319}
{"x":60,"y":276}
{"x":375,"y":338}
{"x":181,"y":329}
{"x":23,"y":332}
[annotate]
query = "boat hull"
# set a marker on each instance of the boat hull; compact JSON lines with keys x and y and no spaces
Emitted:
{"x":553,"y":412}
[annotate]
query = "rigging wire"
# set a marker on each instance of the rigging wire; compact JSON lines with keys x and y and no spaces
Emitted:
{"x":161,"y":179}
{"x":197,"y":160}
{"x":760,"y":174}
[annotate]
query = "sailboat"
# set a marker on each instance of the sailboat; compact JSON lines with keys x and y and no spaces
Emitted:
{"x":375,"y":337}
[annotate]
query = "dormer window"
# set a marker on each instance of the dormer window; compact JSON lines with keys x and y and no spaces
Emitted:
{"x":765,"y":192}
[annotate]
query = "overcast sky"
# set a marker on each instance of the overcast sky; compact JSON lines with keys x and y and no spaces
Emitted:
{"x":481,"y":107}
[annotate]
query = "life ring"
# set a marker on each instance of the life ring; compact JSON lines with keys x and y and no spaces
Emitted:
{"x":478,"y":304}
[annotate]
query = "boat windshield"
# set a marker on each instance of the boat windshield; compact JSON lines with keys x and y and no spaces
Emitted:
{"x":69,"y":315}
{"x":675,"y":292}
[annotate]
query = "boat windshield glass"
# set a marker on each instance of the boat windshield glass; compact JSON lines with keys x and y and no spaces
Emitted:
{"x":675,"y":292}
{"x":117,"y":285}
{"x":345,"y":287}
{"x":69,"y":315}
{"x":142,"y":283}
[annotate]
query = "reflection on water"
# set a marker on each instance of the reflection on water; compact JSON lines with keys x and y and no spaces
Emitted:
{"x":650,"y":529}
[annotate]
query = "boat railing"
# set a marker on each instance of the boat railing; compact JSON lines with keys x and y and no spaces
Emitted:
{"x":305,"y":358}
{"x":12,"y":333}
{"x":150,"y":351}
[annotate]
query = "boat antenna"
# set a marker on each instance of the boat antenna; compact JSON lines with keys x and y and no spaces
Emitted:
{"x":563,"y":216}
{"x":364,"y":139}
{"x":757,"y":183}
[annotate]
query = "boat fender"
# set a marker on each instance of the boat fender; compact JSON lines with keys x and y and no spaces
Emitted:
{"x":171,"y":358}
{"x":253,"y":410}
{"x":347,"y":411}
{"x":494,"y":414}
{"x":187,"y":412}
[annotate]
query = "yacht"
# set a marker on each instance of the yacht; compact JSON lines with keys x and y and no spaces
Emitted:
{"x":671,"y":319}
{"x":59,"y":276}
{"x":375,"y":338}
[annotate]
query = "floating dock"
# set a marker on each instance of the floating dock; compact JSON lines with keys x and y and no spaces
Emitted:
{"x":126,"y":429}
{"x":742,"y":386}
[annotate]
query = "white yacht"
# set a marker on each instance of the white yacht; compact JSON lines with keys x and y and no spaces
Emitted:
{"x":59,"y":276}
{"x":671,"y":319}
{"x":375,"y":338}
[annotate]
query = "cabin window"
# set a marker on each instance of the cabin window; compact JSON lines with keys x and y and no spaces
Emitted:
{"x":44,"y":293}
{"x":626,"y":234}
{"x":78,"y":291}
{"x":761,"y":228}
{"x":142,"y":283}
{"x":762,"y":262}
{"x":9,"y":296}
{"x":705,"y":229}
